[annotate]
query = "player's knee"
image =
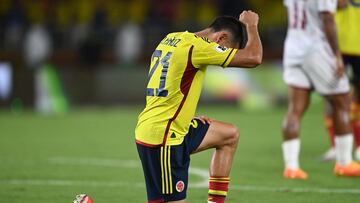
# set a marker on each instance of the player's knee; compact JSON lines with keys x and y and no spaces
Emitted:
{"x":234,"y":135}
{"x":343,"y":116}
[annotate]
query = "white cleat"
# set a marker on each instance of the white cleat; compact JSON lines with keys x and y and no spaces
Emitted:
{"x":329,"y":155}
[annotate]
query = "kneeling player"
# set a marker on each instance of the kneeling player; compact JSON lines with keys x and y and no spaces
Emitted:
{"x":166,"y":133}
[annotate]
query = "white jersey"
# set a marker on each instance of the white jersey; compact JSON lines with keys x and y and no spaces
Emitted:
{"x":305,"y":28}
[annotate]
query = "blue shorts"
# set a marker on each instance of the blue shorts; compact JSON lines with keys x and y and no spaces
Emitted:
{"x":166,"y":168}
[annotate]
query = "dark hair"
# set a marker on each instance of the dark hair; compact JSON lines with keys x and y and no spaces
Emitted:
{"x":236,"y":28}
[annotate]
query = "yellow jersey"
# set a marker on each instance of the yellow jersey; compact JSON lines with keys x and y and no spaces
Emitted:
{"x":175,"y":79}
{"x":348,"y":27}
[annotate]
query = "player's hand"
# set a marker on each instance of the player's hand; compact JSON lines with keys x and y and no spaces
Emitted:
{"x":249,"y":18}
{"x":204,"y":119}
{"x":340,"y":68}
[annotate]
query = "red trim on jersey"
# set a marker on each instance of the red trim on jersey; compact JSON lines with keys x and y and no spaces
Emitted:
{"x":146,"y":144}
{"x":186,"y":82}
{"x":188,"y":75}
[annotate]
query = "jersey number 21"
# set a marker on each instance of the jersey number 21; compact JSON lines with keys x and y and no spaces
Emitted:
{"x":161,"y":91}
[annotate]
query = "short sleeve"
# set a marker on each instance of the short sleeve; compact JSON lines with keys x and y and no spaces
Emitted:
{"x":327,"y":5}
{"x":210,"y":53}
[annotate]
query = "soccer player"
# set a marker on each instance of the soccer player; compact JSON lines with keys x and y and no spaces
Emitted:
{"x":167,"y":131}
{"x":347,"y":20}
{"x":312,"y":61}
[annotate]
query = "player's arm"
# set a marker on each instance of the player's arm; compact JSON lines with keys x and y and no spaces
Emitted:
{"x":331,"y":35}
{"x":251,"y":55}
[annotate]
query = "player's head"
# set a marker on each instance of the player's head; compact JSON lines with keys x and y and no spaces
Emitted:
{"x":228,"y":31}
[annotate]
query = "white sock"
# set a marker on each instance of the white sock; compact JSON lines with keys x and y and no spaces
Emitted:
{"x":291,"y":152}
{"x":343,"y":148}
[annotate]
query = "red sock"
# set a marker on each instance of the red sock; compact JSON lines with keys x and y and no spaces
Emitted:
{"x":218,"y":188}
{"x":329,"y":124}
{"x":356,"y":129}
{"x":355,"y":118}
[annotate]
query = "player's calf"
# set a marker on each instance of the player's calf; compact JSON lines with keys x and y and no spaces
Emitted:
{"x":224,"y":138}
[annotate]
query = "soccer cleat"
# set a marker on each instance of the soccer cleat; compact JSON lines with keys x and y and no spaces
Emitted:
{"x":329,"y":155}
{"x":352,"y":169}
{"x":295,"y":174}
{"x":83,"y":198}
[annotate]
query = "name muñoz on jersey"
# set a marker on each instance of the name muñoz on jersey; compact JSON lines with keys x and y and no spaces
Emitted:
{"x":175,"y":79}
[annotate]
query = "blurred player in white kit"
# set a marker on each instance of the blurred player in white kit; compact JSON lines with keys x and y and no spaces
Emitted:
{"x":312,"y":61}
{"x":347,"y":21}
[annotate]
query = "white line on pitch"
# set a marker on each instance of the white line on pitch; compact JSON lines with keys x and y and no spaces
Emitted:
{"x":252,"y":188}
{"x":45,"y":182}
{"x":200,"y":172}
{"x":95,"y":162}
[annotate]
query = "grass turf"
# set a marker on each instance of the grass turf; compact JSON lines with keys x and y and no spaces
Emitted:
{"x":53,"y":158}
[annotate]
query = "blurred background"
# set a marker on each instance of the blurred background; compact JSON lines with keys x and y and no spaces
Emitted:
{"x":85,"y":63}
{"x":61,"y":54}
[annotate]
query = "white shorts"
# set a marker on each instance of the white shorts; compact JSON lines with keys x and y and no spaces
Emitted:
{"x":317,"y":71}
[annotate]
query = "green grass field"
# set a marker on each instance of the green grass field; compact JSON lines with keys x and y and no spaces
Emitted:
{"x":51,"y":159}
